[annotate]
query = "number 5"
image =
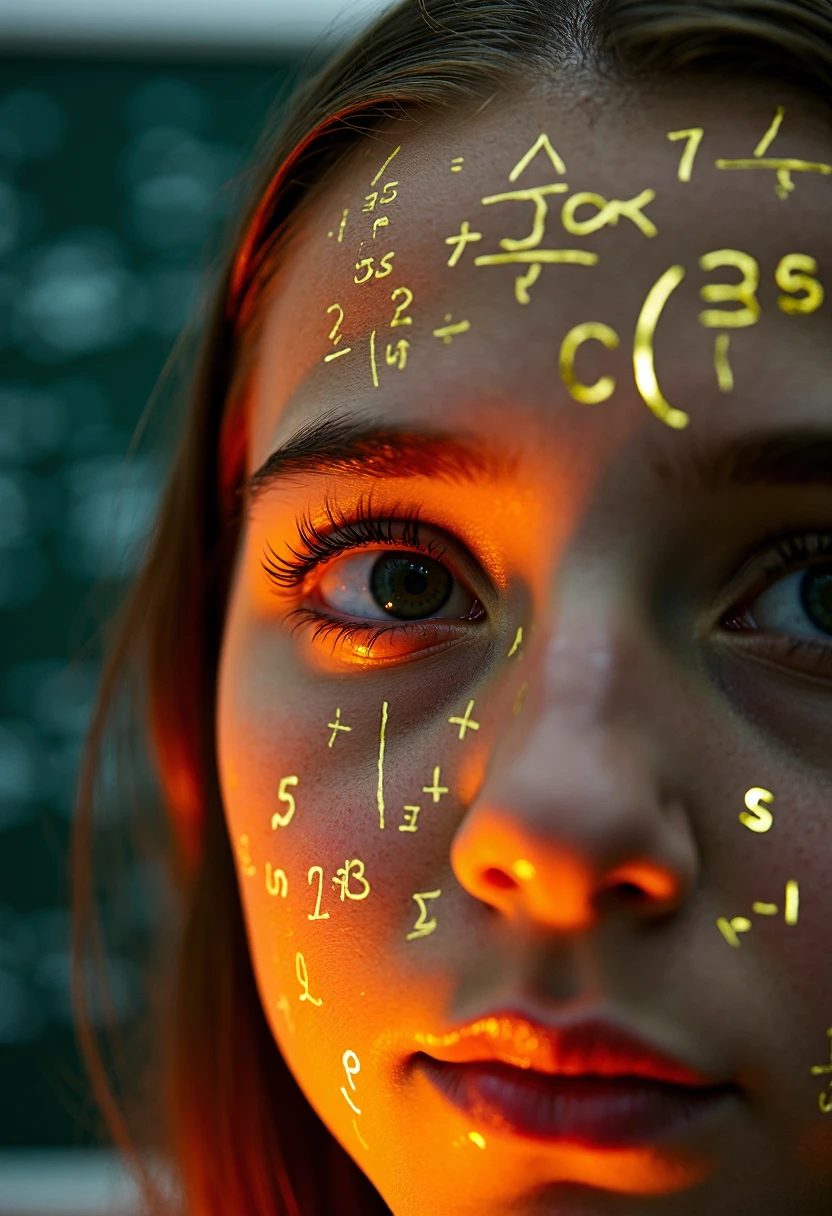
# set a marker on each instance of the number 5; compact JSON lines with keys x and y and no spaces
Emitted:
{"x":278,"y":820}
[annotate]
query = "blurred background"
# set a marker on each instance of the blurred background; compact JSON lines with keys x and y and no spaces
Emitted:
{"x":123,"y":131}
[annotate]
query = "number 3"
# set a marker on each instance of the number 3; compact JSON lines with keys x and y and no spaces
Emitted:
{"x":744,"y":292}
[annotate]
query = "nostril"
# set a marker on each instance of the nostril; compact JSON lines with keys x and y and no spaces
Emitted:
{"x":629,"y":893}
{"x":498,"y":878}
{"x":621,"y":894}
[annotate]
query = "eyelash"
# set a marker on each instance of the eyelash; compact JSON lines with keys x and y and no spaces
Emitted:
{"x":791,"y":551}
{"x":357,"y":531}
{"x":344,"y":534}
{"x":321,"y":543}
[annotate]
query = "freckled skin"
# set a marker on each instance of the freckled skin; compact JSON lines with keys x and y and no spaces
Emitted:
{"x":644,"y":722}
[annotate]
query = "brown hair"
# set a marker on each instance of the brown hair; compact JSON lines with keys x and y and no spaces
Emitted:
{"x":243,"y":1137}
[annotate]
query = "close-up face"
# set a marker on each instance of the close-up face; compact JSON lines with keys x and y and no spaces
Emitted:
{"x":525,"y":692}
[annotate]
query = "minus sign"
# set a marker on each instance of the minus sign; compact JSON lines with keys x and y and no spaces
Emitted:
{"x":345,"y":350}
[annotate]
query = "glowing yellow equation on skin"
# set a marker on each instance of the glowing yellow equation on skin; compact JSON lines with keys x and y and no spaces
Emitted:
{"x":451,"y":330}
{"x":460,"y":242}
{"x":367,"y":269}
{"x":317,"y":871}
{"x":722,"y":366}
{"x":302,"y":973}
{"x":730,"y":928}
{"x":796,"y":272}
{"x":352,"y":871}
{"x":411,"y":815}
{"x":758,"y":818}
{"x":608,"y":213}
{"x":282,"y":821}
{"x":382,"y":737}
{"x":643,"y":356}
{"x":423,"y":926}
{"x":335,"y":727}
{"x":276,"y":881}
{"x":396,"y":356}
{"x":602,"y":389}
{"x":466,"y":722}
{"x":541,"y":144}
{"x":744,"y":292}
{"x":381,"y":171}
{"x":532,"y":194}
{"x":436,"y":790}
{"x":782,"y":166}
{"x":524,"y":281}
{"x":335,"y":334}
{"x":771,"y":134}
{"x":406,"y":296}
{"x":693,"y":136}
{"x":822,"y":1070}
{"x":352,"y":1066}
{"x":373,"y":364}
{"x":342,"y":226}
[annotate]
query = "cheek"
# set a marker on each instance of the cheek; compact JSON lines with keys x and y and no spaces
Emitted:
{"x":342,"y":797}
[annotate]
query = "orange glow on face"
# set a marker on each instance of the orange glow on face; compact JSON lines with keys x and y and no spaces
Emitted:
{"x":522,"y":803}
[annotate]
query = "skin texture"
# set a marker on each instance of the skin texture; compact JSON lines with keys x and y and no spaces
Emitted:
{"x":602,"y":532}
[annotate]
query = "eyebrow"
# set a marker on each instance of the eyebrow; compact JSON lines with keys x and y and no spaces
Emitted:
{"x":799,"y":456}
{"x":348,"y":443}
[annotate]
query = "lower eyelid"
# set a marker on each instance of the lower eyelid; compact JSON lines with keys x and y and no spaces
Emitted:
{"x":358,"y":641}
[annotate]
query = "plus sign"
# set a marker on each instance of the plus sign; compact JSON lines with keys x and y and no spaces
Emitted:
{"x":436,"y":790}
{"x":335,"y":727}
{"x":466,"y":722}
{"x":463,"y":238}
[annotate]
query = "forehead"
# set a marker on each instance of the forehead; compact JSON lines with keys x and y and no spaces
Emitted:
{"x":452,"y":259}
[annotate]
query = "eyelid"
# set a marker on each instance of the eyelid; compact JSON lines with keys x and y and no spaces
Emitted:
{"x":767,"y":562}
{"x":362,"y":527}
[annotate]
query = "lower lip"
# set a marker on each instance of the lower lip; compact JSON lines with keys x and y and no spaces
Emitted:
{"x":600,"y":1112}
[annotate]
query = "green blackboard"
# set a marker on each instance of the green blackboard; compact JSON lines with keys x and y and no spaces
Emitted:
{"x":113,"y":186}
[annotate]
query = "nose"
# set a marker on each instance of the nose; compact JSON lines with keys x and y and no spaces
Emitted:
{"x":579,"y":815}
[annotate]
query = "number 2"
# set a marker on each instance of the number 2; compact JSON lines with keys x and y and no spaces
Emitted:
{"x":398,"y":318}
{"x":334,"y":334}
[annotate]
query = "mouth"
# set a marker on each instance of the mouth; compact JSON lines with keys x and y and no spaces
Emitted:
{"x":589,"y":1084}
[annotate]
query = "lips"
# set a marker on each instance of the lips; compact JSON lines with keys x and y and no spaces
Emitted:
{"x":589,"y":1083}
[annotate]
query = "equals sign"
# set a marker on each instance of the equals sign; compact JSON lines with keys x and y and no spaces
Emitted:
{"x":456,"y":164}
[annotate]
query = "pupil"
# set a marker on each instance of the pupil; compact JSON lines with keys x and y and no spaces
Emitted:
{"x":416,"y":582}
{"x":816,"y":593}
{"x":410,"y":587}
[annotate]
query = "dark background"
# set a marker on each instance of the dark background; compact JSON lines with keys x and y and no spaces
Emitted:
{"x":114,"y":188}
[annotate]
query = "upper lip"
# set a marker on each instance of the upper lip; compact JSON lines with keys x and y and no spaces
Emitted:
{"x":587,"y":1048}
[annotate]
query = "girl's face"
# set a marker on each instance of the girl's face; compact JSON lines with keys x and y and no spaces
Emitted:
{"x":526,"y":689}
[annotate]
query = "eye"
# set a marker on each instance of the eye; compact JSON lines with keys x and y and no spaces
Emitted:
{"x":799,"y":604}
{"x":394,"y":585}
